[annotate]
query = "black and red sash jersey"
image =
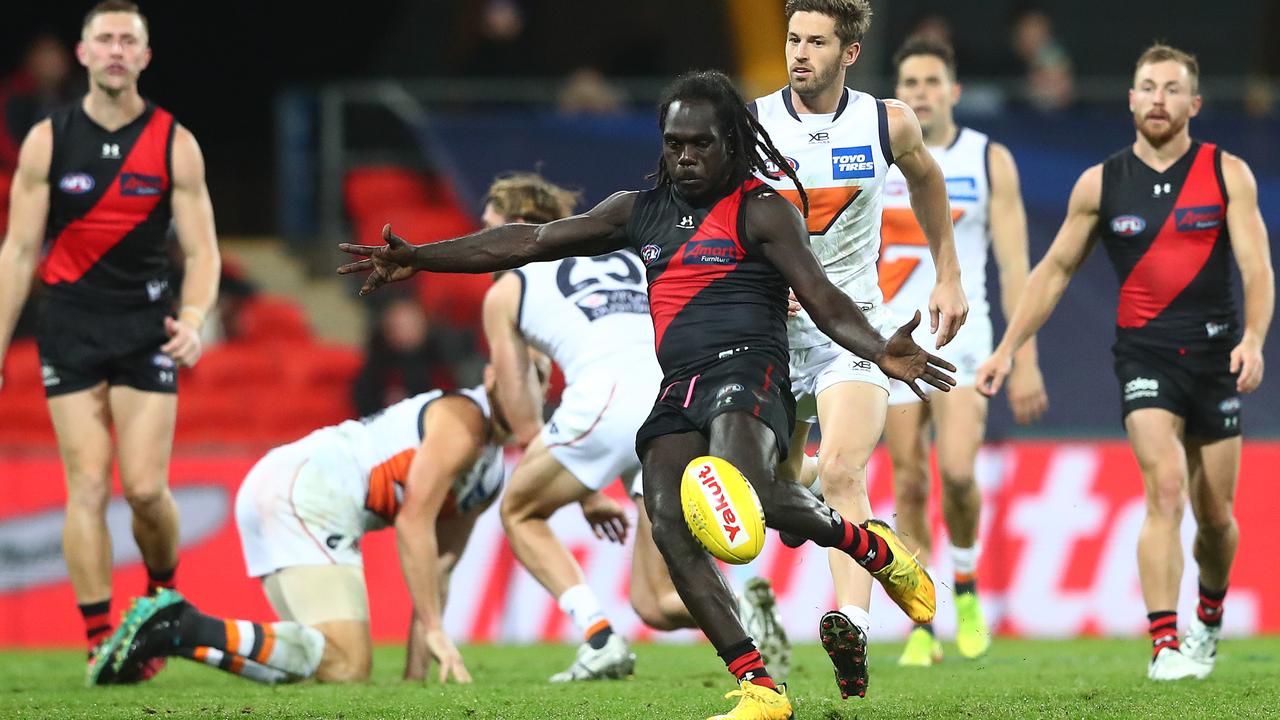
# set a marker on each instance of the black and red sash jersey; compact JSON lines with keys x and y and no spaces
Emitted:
{"x":1166,"y":235}
{"x":109,"y":209}
{"x":711,"y":290}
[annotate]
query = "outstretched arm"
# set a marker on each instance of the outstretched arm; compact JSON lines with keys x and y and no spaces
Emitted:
{"x":776,"y":225}
{"x":1049,"y":279}
{"x":948,"y":308}
{"x":599,"y":230}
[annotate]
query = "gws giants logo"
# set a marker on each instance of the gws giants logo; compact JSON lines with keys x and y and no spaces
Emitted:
{"x":1128,"y":225}
{"x":726,"y":515}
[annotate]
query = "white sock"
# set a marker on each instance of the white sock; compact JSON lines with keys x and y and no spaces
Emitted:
{"x":858,"y":616}
{"x":965,"y":560}
{"x":294,"y":649}
{"x":580,"y":603}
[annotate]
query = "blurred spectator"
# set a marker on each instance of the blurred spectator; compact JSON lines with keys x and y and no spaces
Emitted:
{"x":587,"y":92}
{"x":1260,"y":94}
{"x":407,"y":354}
{"x":1050,"y":84}
{"x":492,"y":39}
{"x":42,"y":83}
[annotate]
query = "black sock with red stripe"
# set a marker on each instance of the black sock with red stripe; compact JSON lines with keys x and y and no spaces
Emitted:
{"x":1209,"y":610}
{"x":1163,"y":628}
{"x":744,"y":661}
{"x":97,"y":621}
{"x":865,"y":547}
{"x":161,"y":579}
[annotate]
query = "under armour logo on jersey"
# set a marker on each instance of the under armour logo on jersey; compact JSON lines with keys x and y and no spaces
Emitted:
{"x":1161,"y":189}
{"x":686,"y":222}
{"x":111,"y":151}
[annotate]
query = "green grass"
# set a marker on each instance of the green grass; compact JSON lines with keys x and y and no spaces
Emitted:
{"x":1019,"y":679}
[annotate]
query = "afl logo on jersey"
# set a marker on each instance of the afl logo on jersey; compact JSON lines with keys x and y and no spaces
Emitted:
{"x":1128,"y":225}
{"x":649,"y":253}
{"x":76,"y":183}
{"x":774,"y":171}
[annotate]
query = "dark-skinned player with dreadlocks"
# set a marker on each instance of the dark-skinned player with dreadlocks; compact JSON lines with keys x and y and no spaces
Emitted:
{"x":721,"y":249}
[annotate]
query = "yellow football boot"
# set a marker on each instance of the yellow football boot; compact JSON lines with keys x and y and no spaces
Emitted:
{"x":973,"y":638}
{"x":922,"y":650}
{"x":904,"y":579}
{"x":756,"y":702}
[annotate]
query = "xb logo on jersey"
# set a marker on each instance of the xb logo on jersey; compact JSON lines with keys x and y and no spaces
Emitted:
{"x":852,"y":162}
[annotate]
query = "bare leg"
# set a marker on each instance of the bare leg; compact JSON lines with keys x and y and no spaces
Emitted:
{"x":144,"y":424}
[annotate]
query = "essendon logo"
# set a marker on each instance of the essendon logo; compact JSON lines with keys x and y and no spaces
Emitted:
{"x":133,"y":184}
{"x":1197,"y":218}
{"x":711,"y":252}
{"x":725,"y":514}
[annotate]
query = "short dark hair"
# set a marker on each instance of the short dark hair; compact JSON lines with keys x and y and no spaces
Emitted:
{"x":750,"y":149}
{"x":1161,"y":52}
{"x":112,"y":6}
{"x":853,"y":17}
{"x":917,"y":45}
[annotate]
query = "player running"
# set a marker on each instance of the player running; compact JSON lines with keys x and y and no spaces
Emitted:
{"x":986,"y":207}
{"x":427,"y":465}
{"x":591,"y":316}
{"x":101,"y":181}
{"x":721,"y":249}
{"x":840,"y":144}
{"x":1170,"y":211}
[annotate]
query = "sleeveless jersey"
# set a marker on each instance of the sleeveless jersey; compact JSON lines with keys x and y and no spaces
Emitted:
{"x":1166,"y":236}
{"x":589,"y":313}
{"x":109,"y":209}
{"x":906,"y":266}
{"x":841,"y":160}
{"x":383,"y":446}
{"x":711,"y":290}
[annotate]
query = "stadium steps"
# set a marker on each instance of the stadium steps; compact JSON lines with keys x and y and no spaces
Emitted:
{"x":333,"y":309}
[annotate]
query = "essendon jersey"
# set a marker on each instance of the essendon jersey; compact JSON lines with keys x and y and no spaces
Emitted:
{"x":109,"y":209}
{"x":711,"y":290}
{"x":1166,"y":235}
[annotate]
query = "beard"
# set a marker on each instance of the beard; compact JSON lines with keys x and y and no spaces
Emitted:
{"x":1173,"y":127}
{"x":818,"y":82}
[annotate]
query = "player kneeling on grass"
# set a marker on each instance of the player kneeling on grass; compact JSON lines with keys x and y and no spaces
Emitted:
{"x":427,"y":465}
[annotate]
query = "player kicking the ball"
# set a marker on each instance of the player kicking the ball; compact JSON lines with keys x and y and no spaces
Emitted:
{"x":721,"y":249}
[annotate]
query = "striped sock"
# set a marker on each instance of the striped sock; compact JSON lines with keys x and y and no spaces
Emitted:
{"x":1209,"y":609}
{"x":745,"y":663}
{"x":97,"y":621}
{"x":1163,"y":628}
{"x":236,"y":665}
{"x":161,"y":579}
{"x":966,"y":584}
{"x":865,"y":547}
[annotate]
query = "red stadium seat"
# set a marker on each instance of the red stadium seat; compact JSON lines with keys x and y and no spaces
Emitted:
{"x":458,"y":299}
{"x":22,"y":365}
{"x":370,"y":190}
{"x":273,"y":319}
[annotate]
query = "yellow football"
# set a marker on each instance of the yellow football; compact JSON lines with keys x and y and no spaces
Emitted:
{"x":722,"y":510}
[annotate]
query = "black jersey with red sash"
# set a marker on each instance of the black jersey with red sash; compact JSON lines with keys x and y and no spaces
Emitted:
{"x":712,"y":293}
{"x":1166,"y":235}
{"x":109,"y":209}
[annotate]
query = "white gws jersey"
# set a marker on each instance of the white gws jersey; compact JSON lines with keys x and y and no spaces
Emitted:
{"x":842,"y":160}
{"x":906,"y":266}
{"x":590,"y":315}
{"x":383,"y":445}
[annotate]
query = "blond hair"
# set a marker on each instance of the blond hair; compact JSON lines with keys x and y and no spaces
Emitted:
{"x":530,"y":197}
{"x":1165,"y":53}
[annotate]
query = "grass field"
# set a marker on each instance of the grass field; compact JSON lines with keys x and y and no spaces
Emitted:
{"x":1019,"y":679}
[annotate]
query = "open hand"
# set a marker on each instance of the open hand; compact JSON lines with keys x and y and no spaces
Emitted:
{"x":392,"y":262}
{"x":446,"y":654}
{"x":904,"y":360}
{"x":608,"y":520}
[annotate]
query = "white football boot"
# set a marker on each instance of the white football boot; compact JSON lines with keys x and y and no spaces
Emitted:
{"x":1201,"y":642}
{"x":614,"y":661}
{"x":1169,"y":664}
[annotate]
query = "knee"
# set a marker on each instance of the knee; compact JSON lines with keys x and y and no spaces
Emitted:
{"x":910,"y":491}
{"x":146,"y":498}
{"x":649,"y":609}
{"x":842,"y":473}
{"x":1166,"y":497}
{"x":89,"y":493}
{"x":345,"y":672}
{"x":1217,"y":521}
{"x":957,"y":478}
